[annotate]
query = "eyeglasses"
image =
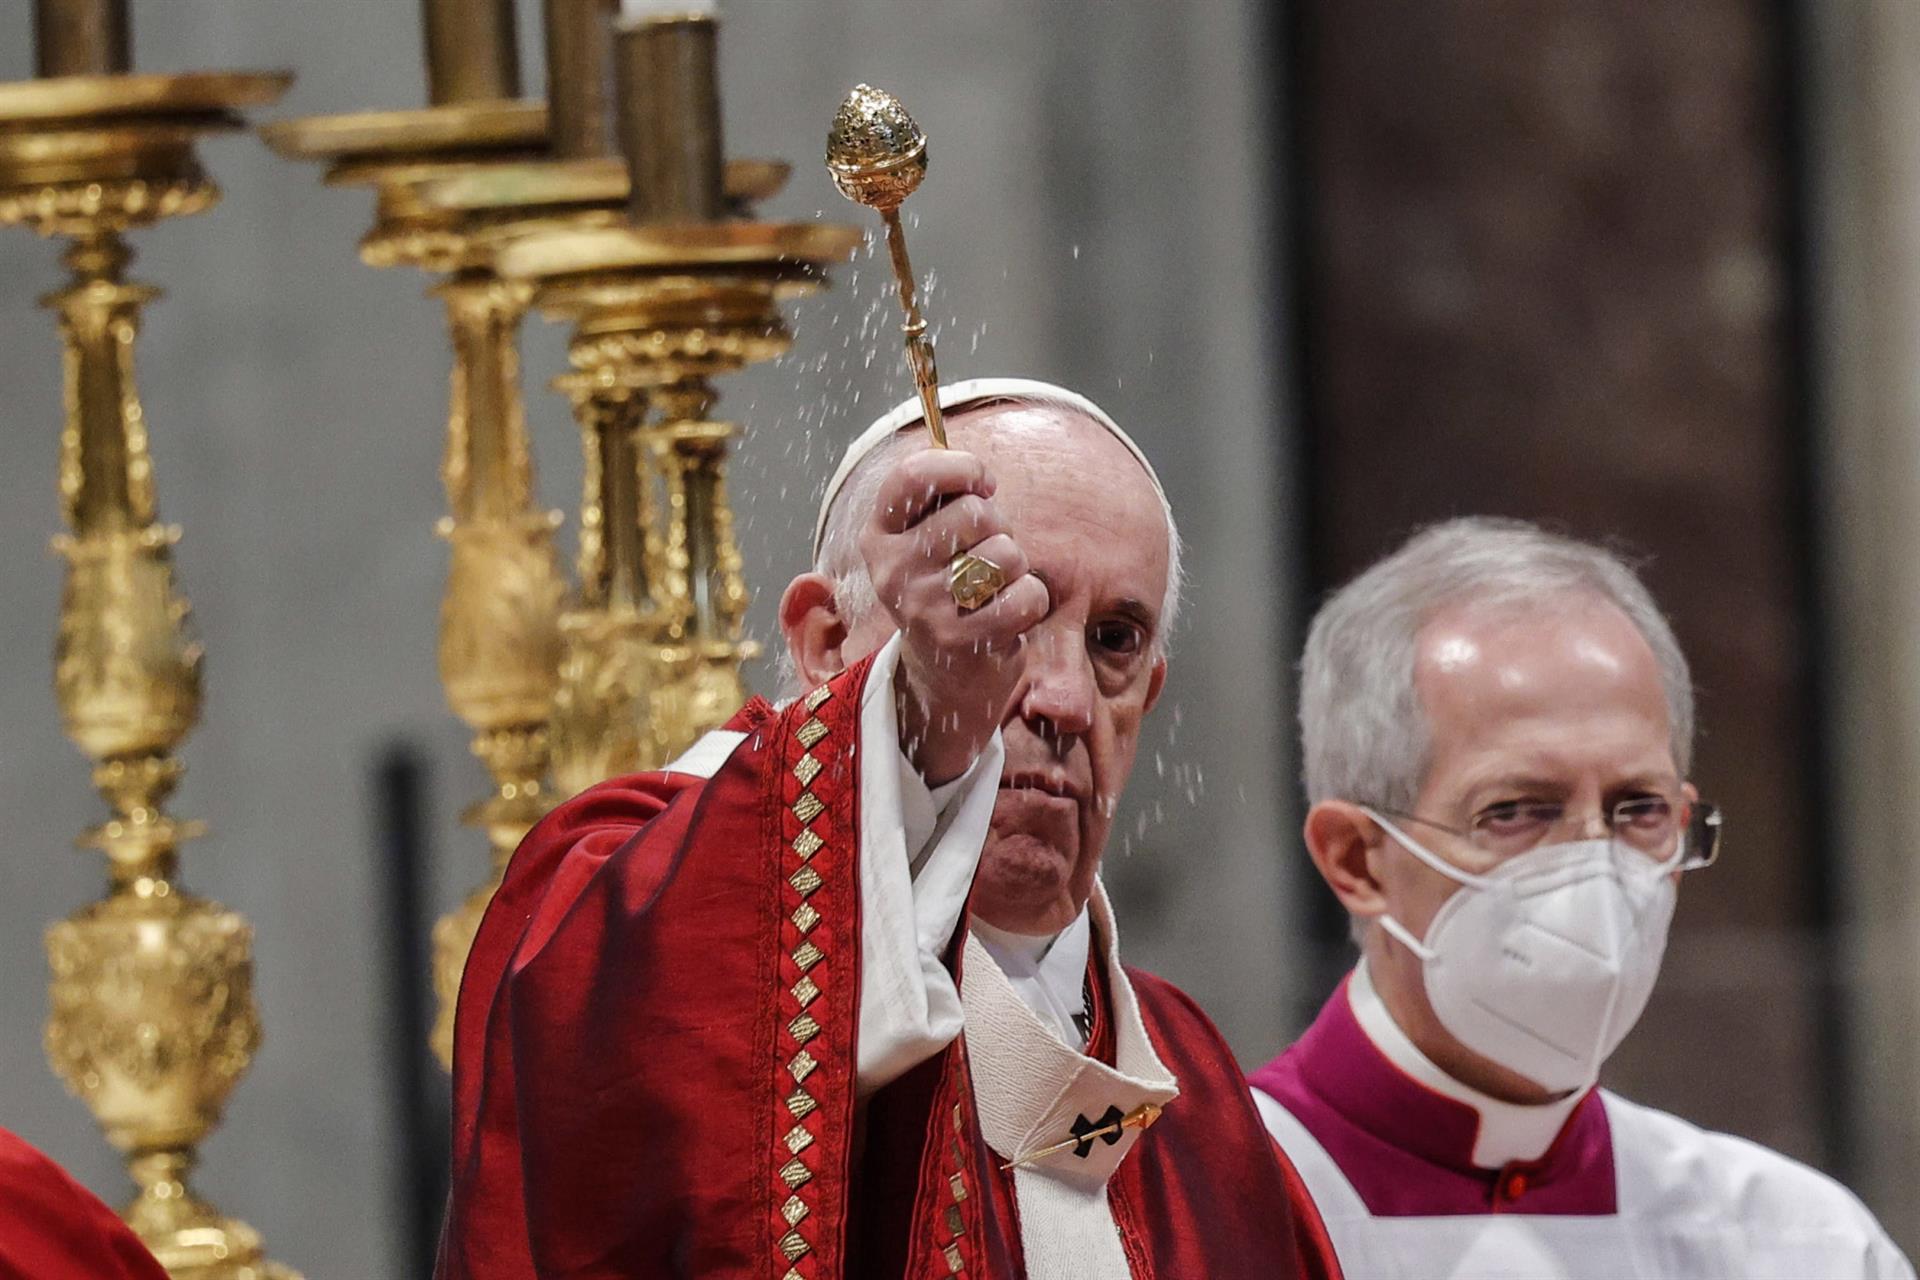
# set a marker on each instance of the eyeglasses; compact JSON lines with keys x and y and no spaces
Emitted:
{"x":1648,"y":825}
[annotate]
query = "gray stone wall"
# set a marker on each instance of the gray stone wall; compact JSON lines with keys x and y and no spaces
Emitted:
{"x":1096,"y":215}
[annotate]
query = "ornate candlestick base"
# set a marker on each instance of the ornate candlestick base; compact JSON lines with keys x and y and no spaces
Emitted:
{"x":153,"y":1021}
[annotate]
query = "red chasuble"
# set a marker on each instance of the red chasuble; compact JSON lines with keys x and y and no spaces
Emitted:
{"x":52,"y":1228}
{"x":654,"y":1071}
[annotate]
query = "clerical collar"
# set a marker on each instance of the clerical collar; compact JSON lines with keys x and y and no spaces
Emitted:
{"x":1413,"y":1143}
{"x":1062,"y":1120}
{"x":1508,"y":1132}
{"x":1049,"y":973}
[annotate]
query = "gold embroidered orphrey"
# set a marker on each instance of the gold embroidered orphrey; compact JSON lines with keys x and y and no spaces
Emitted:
{"x":955,"y":1217}
{"x":795,"y":1174}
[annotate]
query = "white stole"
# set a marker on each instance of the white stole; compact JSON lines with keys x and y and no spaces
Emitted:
{"x":1030,"y":1090}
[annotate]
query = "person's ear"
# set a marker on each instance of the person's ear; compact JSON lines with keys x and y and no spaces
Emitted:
{"x":1341,"y":838}
{"x":814,"y":631}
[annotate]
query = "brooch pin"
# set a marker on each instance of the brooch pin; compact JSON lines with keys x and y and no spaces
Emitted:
{"x":1107,"y":1129}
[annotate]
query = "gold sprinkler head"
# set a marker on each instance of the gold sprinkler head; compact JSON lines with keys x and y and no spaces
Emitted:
{"x":875,"y":152}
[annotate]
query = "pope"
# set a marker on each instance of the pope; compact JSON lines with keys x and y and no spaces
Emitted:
{"x":838,"y":993}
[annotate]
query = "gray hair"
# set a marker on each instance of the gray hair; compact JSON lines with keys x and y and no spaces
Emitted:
{"x":1363,"y":733}
{"x":840,"y":561}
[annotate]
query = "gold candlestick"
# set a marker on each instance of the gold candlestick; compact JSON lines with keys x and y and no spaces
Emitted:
{"x":688,"y":290}
{"x":499,"y":644}
{"x":659,"y":312}
{"x":877,"y":156}
{"x":499,"y":633}
{"x":153,"y":1020}
{"x":501,"y":647}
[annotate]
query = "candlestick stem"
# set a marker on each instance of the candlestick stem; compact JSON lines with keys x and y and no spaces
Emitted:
{"x":472,"y":51}
{"x":600,"y":725}
{"x":579,"y":49}
{"x":500,"y":614}
{"x":81,"y":37}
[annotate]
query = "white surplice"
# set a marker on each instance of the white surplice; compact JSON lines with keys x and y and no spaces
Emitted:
{"x":1689,"y":1204}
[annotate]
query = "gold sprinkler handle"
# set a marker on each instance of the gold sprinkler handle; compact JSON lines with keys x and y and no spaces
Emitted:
{"x":877,"y":155}
{"x":919,"y":346}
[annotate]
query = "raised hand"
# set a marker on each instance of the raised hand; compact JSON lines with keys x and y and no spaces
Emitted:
{"x":959,"y":667}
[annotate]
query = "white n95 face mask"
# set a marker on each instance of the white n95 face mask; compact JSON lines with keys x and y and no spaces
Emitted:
{"x":1545,"y":963}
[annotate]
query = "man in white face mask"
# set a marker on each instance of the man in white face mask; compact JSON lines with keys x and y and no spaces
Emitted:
{"x":1496,"y":729}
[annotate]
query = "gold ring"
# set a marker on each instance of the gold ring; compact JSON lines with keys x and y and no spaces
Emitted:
{"x":974,"y":580}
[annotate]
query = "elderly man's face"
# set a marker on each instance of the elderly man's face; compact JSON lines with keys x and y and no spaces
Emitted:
{"x":1092,"y":527}
{"x":1562,"y":703}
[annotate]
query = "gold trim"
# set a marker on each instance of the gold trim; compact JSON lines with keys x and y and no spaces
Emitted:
{"x":593,"y":180}
{"x":544,"y":254}
{"x":118,"y":97}
{"x":818,"y":698}
{"x":411,"y":132}
{"x":805,"y":880}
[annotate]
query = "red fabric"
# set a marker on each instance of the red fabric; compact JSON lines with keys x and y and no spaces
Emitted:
{"x":1201,"y":1188}
{"x":52,"y":1228}
{"x":655,"y":1054}
{"x":629,"y":1092}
